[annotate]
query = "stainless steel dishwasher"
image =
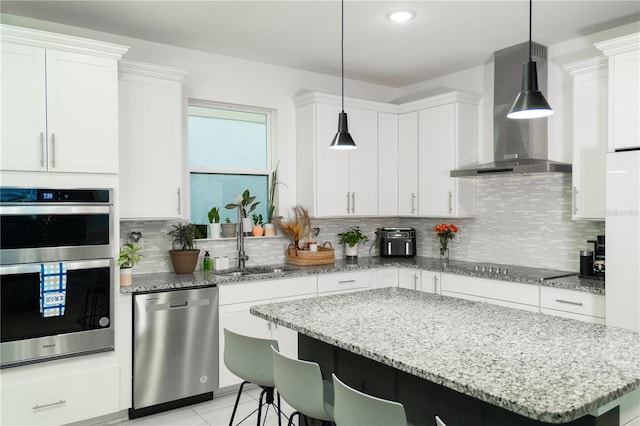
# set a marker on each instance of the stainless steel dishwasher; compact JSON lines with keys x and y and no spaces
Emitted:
{"x":175,"y":349}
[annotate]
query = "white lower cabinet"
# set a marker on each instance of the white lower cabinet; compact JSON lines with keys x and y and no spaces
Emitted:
{"x":503,"y":293}
{"x":430,"y":282}
{"x":236,"y":300}
{"x":409,"y":278}
{"x":346,"y":282}
{"x":573,"y":304}
{"x":61,"y":400}
{"x":387,"y":277}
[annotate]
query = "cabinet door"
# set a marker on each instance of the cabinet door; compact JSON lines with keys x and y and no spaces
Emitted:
{"x":363,"y":162}
{"x":590,"y":98}
{"x":82,"y":108}
{"x":237,"y":318}
{"x":624,"y":72}
{"x":150,"y":147}
{"x":332,"y":165}
{"x":430,"y":282}
{"x":409,"y":278}
{"x":436,"y":153}
{"x":387,"y":164}
{"x":408,"y":164}
{"x":24,"y":125}
{"x":387,"y":277}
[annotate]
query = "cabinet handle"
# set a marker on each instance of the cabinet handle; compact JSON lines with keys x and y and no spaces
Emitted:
{"x":353,"y":202}
{"x":413,"y":202}
{"x":575,"y":200}
{"x":53,"y":149}
{"x":179,"y":200}
{"x":346,"y":281}
{"x":569,"y":302}
{"x":38,"y":406}
{"x":348,"y":202}
{"x":450,"y":202}
{"x":42,"y":149}
{"x":415,"y":281}
{"x":435,"y":284}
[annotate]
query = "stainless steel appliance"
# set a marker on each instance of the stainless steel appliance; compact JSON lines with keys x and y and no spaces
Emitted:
{"x":56,"y":273}
{"x":397,"y":242}
{"x":175,"y":349}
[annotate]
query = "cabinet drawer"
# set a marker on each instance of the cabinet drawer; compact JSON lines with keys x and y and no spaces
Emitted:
{"x":267,"y":289}
{"x":527,"y":294}
{"x":62,"y":400}
{"x":576,"y":302}
{"x":346,"y":281}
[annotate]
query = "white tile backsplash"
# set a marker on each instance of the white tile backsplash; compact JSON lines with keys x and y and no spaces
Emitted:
{"x":522,"y":220}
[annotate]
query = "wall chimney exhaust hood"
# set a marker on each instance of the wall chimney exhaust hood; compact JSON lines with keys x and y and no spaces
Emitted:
{"x":519,"y":146}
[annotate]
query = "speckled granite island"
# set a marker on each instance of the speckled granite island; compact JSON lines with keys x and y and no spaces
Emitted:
{"x":472,"y":363}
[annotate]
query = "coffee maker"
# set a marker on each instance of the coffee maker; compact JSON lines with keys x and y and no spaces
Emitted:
{"x":592,"y":263}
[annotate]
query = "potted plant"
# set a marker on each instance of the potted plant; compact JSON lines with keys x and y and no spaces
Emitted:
{"x":257,"y":230}
{"x":214,"y":222}
{"x":184,"y":255}
{"x":351,"y":239}
{"x":228,"y":229}
{"x":129,"y":257}
{"x":245,"y":205}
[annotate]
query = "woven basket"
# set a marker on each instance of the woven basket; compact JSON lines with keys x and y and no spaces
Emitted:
{"x":324,"y":256}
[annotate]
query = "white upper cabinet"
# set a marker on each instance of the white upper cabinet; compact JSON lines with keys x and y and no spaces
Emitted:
{"x":388,"y":164}
{"x":624,"y":90}
{"x":151,"y":133}
{"x":590,"y":100}
{"x":447,"y":139}
{"x":334,"y":183}
{"x":59,"y":102}
{"x":408,"y":164}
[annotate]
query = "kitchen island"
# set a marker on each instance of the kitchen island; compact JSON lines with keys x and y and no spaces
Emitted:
{"x":470,"y":362}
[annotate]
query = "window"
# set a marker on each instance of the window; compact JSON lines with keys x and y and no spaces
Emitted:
{"x":228,"y":153}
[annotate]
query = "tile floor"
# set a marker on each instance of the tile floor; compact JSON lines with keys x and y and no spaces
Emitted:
{"x":213,"y":413}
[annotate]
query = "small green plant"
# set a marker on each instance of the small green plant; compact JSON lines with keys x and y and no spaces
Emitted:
{"x":257,"y":219}
{"x":183,"y":235}
{"x":353,"y":236}
{"x":129,"y":256}
{"x":271,"y":207}
{"x":244,"y":203}
{"x":214,"y":215}
{"x":227,"y":220}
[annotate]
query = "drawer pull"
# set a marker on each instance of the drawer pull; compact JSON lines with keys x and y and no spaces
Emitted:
{"x":569,"y":302}
{"x":346,"y":281}
{"x":38,"y":406}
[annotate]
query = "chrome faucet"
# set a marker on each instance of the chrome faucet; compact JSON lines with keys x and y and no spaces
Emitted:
{"x":242,"y":256}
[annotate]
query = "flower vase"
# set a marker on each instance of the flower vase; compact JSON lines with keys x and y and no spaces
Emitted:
{"x":247,"y":225}
{"x":444,"y":255}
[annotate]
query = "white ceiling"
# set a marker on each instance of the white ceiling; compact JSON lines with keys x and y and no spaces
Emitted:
{"x":445,"y":36}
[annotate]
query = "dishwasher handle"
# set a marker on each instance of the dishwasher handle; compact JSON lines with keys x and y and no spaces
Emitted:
{"x":185,"y":304}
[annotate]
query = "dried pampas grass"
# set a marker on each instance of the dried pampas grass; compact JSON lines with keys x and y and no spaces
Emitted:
{"x":297,"y":228}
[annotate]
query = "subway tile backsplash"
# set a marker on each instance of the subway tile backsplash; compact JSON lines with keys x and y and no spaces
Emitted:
{"x":522,"y":220}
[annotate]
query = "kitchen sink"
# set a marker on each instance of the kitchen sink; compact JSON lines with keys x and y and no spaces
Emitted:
{"x":257,"y":270}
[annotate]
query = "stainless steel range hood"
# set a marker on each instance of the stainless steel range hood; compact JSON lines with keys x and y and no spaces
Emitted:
{"x":519,"y":146}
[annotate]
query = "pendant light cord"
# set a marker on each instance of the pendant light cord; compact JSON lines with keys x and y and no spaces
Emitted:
{"x":342,"y":52}
{"x":530,"y":13}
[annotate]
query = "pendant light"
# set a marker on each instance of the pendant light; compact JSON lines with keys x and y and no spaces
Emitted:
{"x":530,"y":102}
{"x":342,"y":139}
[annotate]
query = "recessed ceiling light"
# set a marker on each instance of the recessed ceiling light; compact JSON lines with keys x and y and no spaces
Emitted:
{"x":401,"y":16}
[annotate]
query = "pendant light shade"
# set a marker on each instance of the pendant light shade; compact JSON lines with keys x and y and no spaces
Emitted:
{"x":342,"y":139}
{"x":530,"y":102}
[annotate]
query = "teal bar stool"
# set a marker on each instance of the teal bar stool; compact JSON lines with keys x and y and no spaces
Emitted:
{"x":300,"y":384}
{"x":354,"y":408}
{"x":250,"y":359}
{"x":439,"y":422}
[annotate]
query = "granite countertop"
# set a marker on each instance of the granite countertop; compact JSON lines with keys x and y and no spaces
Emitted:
{"x":172,"y":281}
{"x":540,"y":366}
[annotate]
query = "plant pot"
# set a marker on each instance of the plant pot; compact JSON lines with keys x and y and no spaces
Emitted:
{"x":269,"y":230}
{"x":257,"y":231}
{"x":229,"y":230}
{"x":247,"y":224}
{"x":214,"y":230}
{"x":184,"y":261}
{"x":126,"y":277}
{"x":350,"y":251}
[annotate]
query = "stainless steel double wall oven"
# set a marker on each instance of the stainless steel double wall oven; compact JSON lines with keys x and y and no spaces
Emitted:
{"x":56,"y":273}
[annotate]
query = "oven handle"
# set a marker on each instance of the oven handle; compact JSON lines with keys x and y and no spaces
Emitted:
{"x":72,"y":265}
{"x":61,"y":209}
